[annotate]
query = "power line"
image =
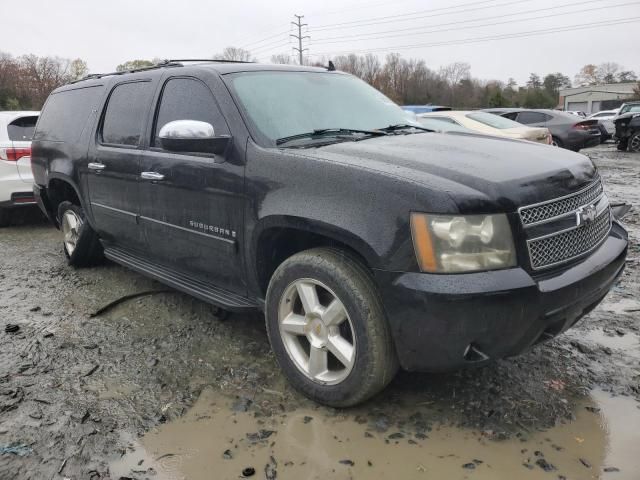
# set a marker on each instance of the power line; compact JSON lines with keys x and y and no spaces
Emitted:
{"x":397,"y":18}
{"x":539,"y":17}
{"x":393,"y":3}
{"x":459,"y":22}
{"x":299,"y":36}
{"x":530,"y":33}
{"x":271,"y":45}
{"x":246,"y":45}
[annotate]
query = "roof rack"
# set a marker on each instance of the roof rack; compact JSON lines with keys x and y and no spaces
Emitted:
{"x":163,"y":64}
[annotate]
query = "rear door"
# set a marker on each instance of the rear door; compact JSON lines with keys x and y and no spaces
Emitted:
{"x":114,"y":164}
{"x":192,"y":212}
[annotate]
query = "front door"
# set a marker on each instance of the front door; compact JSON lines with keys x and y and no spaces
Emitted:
{"x":191,"y":204}
{"x":113,"y":167}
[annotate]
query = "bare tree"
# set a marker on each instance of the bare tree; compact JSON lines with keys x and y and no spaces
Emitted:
{"x":627,"y":76}
{"x":282,"y":58}
{"x":134,"y":65}
{"x":234,"y":53}
{"x":608,"y":71}
{"x":453,"y":74}
{"x":78,"y":69}
{"x":588,"y":75}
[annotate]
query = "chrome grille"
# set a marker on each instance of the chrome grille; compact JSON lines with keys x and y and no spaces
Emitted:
{"x":567,"y":245}
{"x":544,"y":211}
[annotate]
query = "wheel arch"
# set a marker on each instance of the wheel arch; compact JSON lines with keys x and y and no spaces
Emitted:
{"x":280,"y":237}
{"x":61,"y":188}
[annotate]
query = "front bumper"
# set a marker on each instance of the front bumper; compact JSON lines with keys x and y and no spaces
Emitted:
{"x":444,"y":322}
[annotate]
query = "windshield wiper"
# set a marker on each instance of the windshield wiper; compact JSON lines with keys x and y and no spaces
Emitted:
{"x":324,"y":132}
{"x":404,"y":126}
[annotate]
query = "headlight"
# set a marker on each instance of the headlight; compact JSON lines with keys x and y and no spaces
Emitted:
{"x":462,"y":243}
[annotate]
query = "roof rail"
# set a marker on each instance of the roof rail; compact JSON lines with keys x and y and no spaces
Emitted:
{"x":162,"y":64}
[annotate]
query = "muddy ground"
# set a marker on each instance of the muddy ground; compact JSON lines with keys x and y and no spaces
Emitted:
{"x":160,"y":387}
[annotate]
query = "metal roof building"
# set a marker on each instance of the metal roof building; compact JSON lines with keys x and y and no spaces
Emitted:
{"x":593,"y":98}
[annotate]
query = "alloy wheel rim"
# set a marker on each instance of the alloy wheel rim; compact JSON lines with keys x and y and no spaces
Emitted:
{"x":634,"y":145}
{"x":71,"y":224}
{"x":317,"y":332}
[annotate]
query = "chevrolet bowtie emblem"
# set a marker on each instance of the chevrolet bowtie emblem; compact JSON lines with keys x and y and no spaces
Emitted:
{"x":586,"y":214}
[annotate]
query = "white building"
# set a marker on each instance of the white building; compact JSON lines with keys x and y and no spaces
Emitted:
{"x":593,"y":98}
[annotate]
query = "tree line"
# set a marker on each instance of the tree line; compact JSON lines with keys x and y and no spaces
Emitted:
{"x":26,"y":81}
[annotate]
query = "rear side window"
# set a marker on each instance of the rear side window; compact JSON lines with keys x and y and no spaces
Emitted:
{"x":532,"y":117}
{"x":66,"y":113}
{"x":21,"y":129}
{"x":187,"y":99}
{"x":124,"y":117}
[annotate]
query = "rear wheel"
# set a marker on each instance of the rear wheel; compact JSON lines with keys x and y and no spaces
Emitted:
{"x":634,"y":143}
{"x":327,"y":328}
{"x":79,"y":242}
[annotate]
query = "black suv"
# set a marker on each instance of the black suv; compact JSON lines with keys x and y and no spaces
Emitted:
{"x":368,"y":241}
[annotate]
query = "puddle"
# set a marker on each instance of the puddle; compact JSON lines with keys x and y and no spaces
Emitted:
{"x":629,"y":343}
{"x":627,"y":306}
{"x":310,"y":444}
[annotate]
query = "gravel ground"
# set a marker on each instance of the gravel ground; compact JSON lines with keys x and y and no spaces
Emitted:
{"x":75,"y":387}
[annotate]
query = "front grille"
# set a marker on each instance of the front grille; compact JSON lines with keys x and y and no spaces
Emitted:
{"x":565,"y":246}
{"x":542,"y":212}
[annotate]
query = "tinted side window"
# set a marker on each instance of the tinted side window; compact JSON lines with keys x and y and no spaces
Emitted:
{"x":188,"y":99}
{"x":65,"y":114}
{"x":531,"y":117}
{"x":510,"y":116}
{"x":124,"y":118}
{"x":21,"y":129}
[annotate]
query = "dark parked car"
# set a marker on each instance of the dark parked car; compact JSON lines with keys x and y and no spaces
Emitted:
{"x":368,"y":242}
{"x":627,"y":124}
{"x":568,"y":130}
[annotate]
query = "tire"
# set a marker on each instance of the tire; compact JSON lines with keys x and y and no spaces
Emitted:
{"x":361,"y":323}
{"x":622,"y":144}
{"x":634,"y":143}
{"x":80,"y":243}
{"x":556,"y":142}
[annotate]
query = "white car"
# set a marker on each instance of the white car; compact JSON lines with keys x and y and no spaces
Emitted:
{"x":490,"y":124}
{"x":605,"y":117}
{"x":16,"y":180}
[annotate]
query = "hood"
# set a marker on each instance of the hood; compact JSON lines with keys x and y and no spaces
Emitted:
{"x":480,"y":174}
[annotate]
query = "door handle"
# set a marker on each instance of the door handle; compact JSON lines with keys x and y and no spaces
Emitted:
{"x":152,"y":176}
{"x":96,"y":166}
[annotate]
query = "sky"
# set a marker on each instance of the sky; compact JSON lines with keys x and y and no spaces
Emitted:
{"x":440,"y":32}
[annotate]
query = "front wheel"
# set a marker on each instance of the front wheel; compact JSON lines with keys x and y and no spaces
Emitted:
{"x":327,"y":328}
{"x":634,"y":143}
{"x":80,"y":242}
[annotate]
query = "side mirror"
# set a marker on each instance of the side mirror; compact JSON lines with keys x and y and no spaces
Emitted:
{"x":192,"y":136}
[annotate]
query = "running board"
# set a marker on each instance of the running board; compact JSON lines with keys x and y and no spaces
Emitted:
{"x":199,"y":289}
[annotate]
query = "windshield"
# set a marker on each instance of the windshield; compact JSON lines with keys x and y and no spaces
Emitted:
{"x":283,"y":104}
{"x":630,"y":108}
{"x":495,"y":121}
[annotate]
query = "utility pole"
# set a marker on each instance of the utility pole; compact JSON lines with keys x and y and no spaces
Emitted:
{"x":299,"y":36}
